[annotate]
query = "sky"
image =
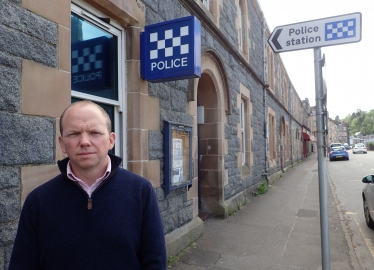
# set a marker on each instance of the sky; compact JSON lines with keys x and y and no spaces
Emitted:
{"x":348,"y":69}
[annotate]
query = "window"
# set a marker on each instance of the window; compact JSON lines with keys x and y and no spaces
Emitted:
{"x":206,"y":3}
{"x":272,"y":134}
{"x":97,"y":59}
{"x":240,"y":30}
{"x":270,"y":68}
{"x":288,"y":143}
{"x":285,"y":92}
{"x":242,"y":129}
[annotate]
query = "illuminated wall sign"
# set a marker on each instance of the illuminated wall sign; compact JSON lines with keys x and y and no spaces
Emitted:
{"x":90,"y":59}
{"x":171,"y":50}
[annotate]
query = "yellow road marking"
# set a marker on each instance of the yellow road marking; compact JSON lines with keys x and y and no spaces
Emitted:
{"x":368,"y":241}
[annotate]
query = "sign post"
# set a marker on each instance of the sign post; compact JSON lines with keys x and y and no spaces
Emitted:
{"x":321,"y":155}
{"x":316,"y":34}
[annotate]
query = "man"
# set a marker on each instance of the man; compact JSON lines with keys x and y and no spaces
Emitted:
{"x":95,"y":214}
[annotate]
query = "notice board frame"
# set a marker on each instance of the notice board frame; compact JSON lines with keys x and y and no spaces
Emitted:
{"x":178,"y":166}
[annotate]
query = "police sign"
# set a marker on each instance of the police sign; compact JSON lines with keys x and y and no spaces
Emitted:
{"x":317,"y":33}
{"x":171,"y":50}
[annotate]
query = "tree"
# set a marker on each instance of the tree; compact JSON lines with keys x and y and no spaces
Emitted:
{"x":348,"y":119}
{"x":367,"y":125}
{"x":337,"y":118}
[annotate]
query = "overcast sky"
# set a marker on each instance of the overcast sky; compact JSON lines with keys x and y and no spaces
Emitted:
{"x":349,"y":71}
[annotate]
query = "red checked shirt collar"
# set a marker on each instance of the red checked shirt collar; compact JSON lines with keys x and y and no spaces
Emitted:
{"x":89,"y":189}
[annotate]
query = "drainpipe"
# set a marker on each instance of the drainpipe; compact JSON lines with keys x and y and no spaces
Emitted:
{"x":266,"y":86}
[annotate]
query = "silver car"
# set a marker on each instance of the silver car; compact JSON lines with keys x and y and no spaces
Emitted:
{"x":359,"y":148}
{"x":368,"y":200}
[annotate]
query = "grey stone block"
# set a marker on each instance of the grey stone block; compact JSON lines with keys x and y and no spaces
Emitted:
{"x":178,"y":101}
{"x":152,"y":17}
{"x":152,"y":4}
{"x":159,"y":90}
{"x":27,"y":47}
{"x":9,"y":177}
{"x":166,"y":9}
{"x":27,"y":22}
{"x":175,"y":204}
{"x":10,"y":88}
{"x":182,"y":85}
{"x":155,"y":140}
{"x":165,"y":104}
{"x":10,"y":61}
{"x":2,"y":259}
{"x":26,"y":140}
{"x":170,"y":222}
{"x":7,"y":234}
{"x":9,"y":206}
{"x":155,"y":154}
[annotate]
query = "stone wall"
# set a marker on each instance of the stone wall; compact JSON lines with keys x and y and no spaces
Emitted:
{"x":24,"y":139}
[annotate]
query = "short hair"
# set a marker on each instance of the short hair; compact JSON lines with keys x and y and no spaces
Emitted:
{"x":86,"y":103}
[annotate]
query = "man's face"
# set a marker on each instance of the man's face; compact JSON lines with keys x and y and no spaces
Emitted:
{"x":86,"y":139}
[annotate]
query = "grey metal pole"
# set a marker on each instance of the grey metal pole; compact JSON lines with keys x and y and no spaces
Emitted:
{"x":322,"y":172}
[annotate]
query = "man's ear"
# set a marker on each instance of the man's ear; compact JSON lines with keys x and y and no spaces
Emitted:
{"x":112,"y":139}
{"x":62,"y":145}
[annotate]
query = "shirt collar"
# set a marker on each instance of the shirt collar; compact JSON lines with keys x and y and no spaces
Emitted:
{"x":73,"y":177}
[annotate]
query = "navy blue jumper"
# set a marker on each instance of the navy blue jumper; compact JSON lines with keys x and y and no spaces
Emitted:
{"x":122,"y":230}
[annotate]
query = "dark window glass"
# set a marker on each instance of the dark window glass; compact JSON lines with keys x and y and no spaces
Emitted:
{"x":94,"y":65}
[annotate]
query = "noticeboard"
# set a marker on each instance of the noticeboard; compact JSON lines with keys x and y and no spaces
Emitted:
{"x":178,"y":156}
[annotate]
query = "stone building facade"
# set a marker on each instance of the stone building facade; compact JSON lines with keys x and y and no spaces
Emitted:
{"x":253,"y":117}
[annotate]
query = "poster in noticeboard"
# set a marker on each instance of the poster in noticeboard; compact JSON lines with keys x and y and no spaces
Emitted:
{"x":177,"y":161}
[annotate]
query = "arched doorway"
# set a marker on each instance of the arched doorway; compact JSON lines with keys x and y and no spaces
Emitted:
{"x":211,"y":96}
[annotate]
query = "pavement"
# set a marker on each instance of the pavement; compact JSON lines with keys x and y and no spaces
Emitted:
{"x":277,"y":230}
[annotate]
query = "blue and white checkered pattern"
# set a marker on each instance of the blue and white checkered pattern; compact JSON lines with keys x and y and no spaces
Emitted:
{"x":86,"y":59}
{"x":340,"y":29}
{"x":169,"y":45}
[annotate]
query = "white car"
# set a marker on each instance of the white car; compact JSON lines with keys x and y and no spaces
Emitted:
{"x":368,"y":200}
{"x":359,"y":148}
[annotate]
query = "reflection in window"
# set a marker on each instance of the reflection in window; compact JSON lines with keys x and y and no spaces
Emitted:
{"x":205,"y":3}
{"x":93,"y":59}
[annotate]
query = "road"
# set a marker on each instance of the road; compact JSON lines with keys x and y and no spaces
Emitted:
{"x":345,"y":179}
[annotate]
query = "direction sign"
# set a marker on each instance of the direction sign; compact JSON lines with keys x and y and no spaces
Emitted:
{"x":317,"y":33}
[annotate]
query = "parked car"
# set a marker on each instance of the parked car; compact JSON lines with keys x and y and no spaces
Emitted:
{"x":368,"y":200}
{"x":359,"y":148}
{"x":333,"y":145}
{"x":338,"y":152}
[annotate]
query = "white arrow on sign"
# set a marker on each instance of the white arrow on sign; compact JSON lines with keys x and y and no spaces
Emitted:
{"x":317,"y":33}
